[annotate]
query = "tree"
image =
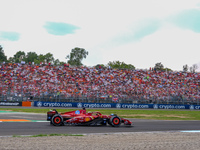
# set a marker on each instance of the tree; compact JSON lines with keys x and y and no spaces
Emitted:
{"x":76,"y":56}
{"x":56,"y":62}
{"x":193,"y":68}
{"x":19,"y":56}
{"x":30,"y":57}
{"x":11,"y":60}
{"x":159,"y":66}
{"x":120,"y":65}
{"x":49,"y":58}
{"x":167,"y":69}
{"x":2,"y":55}
{"x":62,"y":63}
{"x":40,"y":59}
{"x":98,"y":66}
{"x":185,"y":68}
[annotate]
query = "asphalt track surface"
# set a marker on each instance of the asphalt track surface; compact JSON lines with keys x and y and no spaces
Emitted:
{"x":34,"y":124}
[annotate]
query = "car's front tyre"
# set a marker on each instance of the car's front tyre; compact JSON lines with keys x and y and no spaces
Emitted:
{"x":115,"y":121}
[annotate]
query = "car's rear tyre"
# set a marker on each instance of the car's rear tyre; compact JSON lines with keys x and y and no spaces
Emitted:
{"x":115,"y":121}
{"x":57,"y":120}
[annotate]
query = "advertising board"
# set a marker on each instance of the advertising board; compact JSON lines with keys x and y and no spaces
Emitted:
{"x":115,"y":105}
{"x":10,"y":103}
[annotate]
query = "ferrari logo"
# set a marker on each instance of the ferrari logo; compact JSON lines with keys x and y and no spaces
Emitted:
{"x":87,"y":119}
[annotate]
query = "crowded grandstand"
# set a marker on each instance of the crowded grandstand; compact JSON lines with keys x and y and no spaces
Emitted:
{"x":48,"y":82}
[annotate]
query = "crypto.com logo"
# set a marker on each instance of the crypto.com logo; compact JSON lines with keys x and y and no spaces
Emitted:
{"x":39,"y":104}
{"x":79,"y":105}
{"x":118,"y":105}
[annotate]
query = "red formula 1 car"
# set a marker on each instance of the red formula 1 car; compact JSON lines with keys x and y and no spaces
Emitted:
{"x":81,"y":117}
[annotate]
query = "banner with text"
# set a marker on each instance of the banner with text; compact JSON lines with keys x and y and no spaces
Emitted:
{"x":115,"y":105}
{"x":10,"y":103}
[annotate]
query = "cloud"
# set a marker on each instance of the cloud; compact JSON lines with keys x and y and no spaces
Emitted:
{"x":138,"y":31}
{"x":146,"y":28}
{"x":9,"y":36}
{"x":59,"y":28}
{"x":188,"y":19}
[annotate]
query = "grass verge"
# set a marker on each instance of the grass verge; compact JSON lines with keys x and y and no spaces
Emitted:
{"x":127,"y":113}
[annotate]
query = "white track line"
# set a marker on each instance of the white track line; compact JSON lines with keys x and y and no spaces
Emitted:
{"x":191,"y":131}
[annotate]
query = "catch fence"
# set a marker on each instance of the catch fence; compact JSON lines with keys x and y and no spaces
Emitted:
{"x":84,"y":99}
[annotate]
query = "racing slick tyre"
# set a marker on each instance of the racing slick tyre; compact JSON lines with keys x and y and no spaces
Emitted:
{"x":115,"y":121}
{"x":57,"y":120}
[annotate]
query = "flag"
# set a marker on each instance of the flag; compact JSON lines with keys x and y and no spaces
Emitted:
{"x":115,"y":99}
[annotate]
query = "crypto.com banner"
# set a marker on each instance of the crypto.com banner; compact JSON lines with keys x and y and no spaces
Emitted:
{"x":115,"y":105}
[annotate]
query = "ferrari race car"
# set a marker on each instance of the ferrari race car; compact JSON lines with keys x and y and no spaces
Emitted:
{"x":81,"y":117}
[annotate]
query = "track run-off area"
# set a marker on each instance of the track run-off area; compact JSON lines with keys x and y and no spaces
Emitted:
{"x":20,"y":123}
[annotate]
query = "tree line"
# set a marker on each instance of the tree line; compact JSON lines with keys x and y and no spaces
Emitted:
{"x":75,"y":59}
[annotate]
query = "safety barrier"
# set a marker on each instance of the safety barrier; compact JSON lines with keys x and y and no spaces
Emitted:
{"x":26,"y":104}
{"x":114,"y":105}
{"x":99,"y":105}
{"x":23,"y":104}
{"x":82,"y":99}
{"x":10,"y":103}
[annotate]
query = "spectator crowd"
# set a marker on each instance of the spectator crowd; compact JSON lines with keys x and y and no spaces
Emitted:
{"x":152,"y":85}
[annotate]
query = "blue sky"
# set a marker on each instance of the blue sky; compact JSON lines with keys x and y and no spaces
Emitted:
{"x":141,"y":33}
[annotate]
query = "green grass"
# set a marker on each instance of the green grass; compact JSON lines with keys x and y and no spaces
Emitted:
{"x":44,"y":135}
{"x":128,"y":113}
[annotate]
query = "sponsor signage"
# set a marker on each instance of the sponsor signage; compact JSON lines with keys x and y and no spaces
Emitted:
{"x":79,"y":105}
{"x":53,"y":104}
{"x":194,"y":107}
{"x":96,"y":105}
{"x":169,"y":106}
{"x":10,"y":103}
{"x":115,"y":105}
{"x":135,"y":106}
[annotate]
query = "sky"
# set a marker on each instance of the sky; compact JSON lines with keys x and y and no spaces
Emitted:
{"x":137,"y":32}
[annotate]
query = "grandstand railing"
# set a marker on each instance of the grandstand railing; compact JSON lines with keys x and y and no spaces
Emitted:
{"x":135,"y":100}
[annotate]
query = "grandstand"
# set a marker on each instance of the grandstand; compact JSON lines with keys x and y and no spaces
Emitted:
{"x":83,"y":84}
